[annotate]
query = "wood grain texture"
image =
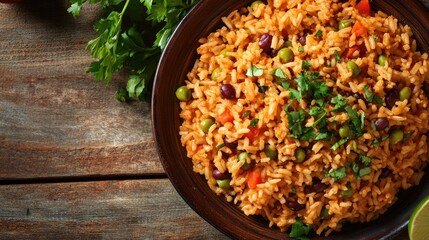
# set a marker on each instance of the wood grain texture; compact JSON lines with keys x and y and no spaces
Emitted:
{"x":140,"y":209}
{"x":55,"y":120}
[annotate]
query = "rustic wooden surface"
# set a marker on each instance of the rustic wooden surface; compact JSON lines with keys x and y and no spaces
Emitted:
{"x":76,"y":164}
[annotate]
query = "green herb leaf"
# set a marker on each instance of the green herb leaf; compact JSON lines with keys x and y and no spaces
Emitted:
{"x":328,"y":63}
{"x":306,"y":65}
{"x":286,"y":85}
{"x":245,"y":114}
{"x":365,"y":159}
{"x":299,"y":229}
{"x":364,"y":171}
{"x":357,"y":120}
{"x":116,"y":47}
{"x":254,"y":122}
{"x":300,"y":49}
{"x":220,"y":146}
{"x":254,"y":71}
{"x":339,"y":143}
{"x":407,"y":136}
{"x":375,"y":37}
{"x":337,"y":56}
{"x":377,"y":141}
{"x":338,"y":174}
{"x":371,"y":97}
{"x":296,"y":122}
{"x":319,"y":33}
{"x":339,"y":102}
{"x":279,"y":74}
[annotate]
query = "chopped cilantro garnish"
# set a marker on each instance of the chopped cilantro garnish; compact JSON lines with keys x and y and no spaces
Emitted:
{"x":294,"y":94}
{"x":299,"y":229}
{"x":293,"y":190}
{"x":328,"y":63}
{"x":220,"y":146}
{"x":245,"y":114}
{"x":279,"y":73}
{"x":375,"y":37}
{"x":377,"y":141}
{"x":337,"y":56}
{"x":339,"y":102}
{"x":338,"y":174}
{"x":364,"y":171}
{"x":254,"y":122}
{"x":254,"y":71}
{"x":365,"y":159}
{"x":319,"y":33}
{"x":407,"y":136}
{"x":306,"y":65}
{"x":357,"y":121}
{"x":286,"y":85}
{"x":300,"y":49}
{"x":355,"y":146}
{"x":308,"y":84}
{"x":296,"y":122}
{"x":371,"y":97}
{"x":339,"y":143}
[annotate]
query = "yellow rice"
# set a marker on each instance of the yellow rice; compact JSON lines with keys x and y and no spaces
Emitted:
{"x":283,"y":178}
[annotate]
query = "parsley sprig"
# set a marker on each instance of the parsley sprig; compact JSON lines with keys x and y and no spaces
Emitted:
{"x":121,"y":45}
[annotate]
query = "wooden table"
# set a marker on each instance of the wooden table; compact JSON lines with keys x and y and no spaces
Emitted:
{"x":74,"y":162}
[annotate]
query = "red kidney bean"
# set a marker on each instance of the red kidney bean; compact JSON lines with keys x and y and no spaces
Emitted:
{"x":294,"y":205}
{"x":385,"y":172}
{"x":227,"y":91}
{"x":228,"y":144}
{"x":219,"y":175}
{"x":390,"y":98}
{"x":265,"y":43}
{"x":381,"y":123}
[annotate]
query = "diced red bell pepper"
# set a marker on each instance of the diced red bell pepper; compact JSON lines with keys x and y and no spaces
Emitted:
{"x":351,"y":51}
{"x":359,"y":29}
{"x":253,"y":133}
{"x":363,"y":7}
{"x":253,"y":177}
{"x":225,"y":117}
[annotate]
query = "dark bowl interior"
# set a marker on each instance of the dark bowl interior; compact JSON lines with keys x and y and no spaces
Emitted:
{"x":178,"y":59}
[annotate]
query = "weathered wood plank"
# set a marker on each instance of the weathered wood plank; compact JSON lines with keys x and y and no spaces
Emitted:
{"x":139,"y":209}
{"x":55,"y":120}
{"x":133,"y":209}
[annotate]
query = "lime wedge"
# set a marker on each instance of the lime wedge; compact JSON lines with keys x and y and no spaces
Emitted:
{"x":418,"y":227}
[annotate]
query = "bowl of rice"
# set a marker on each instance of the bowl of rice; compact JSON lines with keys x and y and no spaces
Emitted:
{"x":286,"y":119}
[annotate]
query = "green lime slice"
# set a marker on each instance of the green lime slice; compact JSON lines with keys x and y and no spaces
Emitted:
{"x":418,"y":227}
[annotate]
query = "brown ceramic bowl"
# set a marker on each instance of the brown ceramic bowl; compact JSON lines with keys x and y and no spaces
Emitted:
{"x":178,"y":58}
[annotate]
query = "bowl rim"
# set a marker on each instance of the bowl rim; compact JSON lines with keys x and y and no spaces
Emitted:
{"x":420,"y":19}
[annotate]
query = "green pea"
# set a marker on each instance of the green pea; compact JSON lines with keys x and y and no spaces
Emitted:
{"x":286,"y":55}
{"x":382,"y":60}
{"x":405,"y":93}
{"x":183,"y":93}
{"x":353,"y":67}
{"x":255,"y":3}
{"x":325,"y":213}
{"x":243,"y":156}
{"x":348,"y":192}
{"x":205,"y":124}
{"x":396,"y":136}
{"x":215,"y":74}
{"x":344,"y":24}
{"x":270,"y":151}
{"x":288,"y":44}
{"x":224,"y":184}
{"x":345,"y":132}
{"x":299,"y":155}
